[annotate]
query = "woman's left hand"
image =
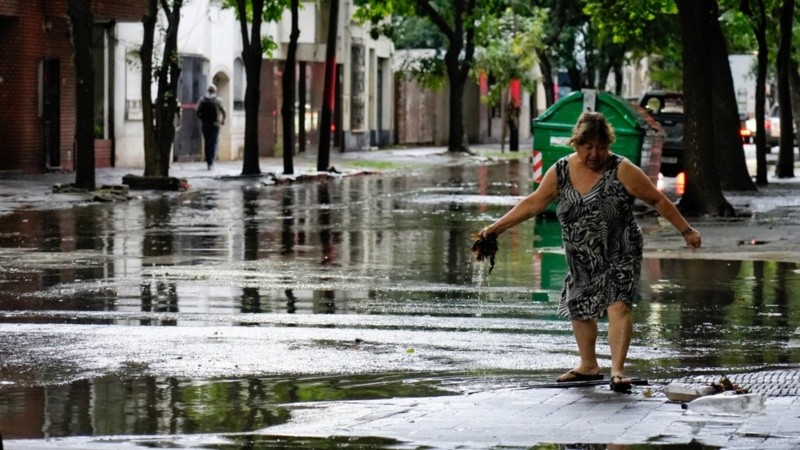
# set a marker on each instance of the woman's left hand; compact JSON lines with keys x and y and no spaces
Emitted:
{"x":692,"y":239}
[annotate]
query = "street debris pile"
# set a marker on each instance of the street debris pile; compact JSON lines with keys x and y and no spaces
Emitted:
{"x":103,"y":194}
{"x":723,"y":398}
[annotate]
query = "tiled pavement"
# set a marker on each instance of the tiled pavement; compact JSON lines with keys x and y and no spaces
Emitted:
{"x":522,"y":417}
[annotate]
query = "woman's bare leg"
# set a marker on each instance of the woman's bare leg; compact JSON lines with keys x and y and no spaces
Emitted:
{"x":585,"y":332}
{"x":620,"y":330}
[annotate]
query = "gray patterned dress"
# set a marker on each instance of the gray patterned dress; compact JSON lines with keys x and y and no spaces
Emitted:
{"x":602,"y":241}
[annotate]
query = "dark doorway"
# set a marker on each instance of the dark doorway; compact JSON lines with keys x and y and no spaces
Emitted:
{"x":50,"y":111}
{"x":338,"y":138}
{"x":191,"y":87}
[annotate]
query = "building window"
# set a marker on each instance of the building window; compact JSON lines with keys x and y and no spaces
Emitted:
{"x":239,"y":84}
{"x":357,"y":88}
{"x":133,"y":86}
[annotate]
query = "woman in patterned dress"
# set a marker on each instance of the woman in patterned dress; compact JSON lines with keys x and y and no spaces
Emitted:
{"x":595,"y":190}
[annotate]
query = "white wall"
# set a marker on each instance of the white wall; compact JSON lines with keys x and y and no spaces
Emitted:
{"x":205,"y":29}
{"x":214,"y":33}
{"x":744,"y":82}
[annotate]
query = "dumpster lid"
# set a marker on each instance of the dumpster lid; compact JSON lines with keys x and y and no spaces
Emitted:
{"x":622,"y":115}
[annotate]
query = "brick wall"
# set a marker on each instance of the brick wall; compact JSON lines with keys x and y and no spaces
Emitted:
{"x":29,"y":32}
{"x":20,"y":147}
{"x":9,"y":7}
{"x":119,"y":10}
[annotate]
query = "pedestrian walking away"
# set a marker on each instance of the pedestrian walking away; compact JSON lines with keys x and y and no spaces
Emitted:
{"x":596,"y":189}
{"x":212,"y":115}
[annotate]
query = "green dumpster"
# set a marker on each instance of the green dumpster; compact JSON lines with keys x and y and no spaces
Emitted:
{"x":639,"y":137}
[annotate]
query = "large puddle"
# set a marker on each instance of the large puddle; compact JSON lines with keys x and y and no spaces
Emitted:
{"x":209,"y":311}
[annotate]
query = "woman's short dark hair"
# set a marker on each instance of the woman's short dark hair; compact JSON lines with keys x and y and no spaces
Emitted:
{"x":592,"y":126}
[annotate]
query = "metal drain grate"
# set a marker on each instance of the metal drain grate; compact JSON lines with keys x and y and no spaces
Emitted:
{"x":774,"y":383}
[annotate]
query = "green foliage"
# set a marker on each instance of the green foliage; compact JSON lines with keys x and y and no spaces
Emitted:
{"x":666,"y":70}
{"x":643,"y":28}
{"x":738,"y":31}
{"x":509,"y":41}
{"x":636,"y":22}
{"x":269,"y":46}
{"x":272,"y":12}
{"x":427,"y":69}
{"x":415,"y":32}
{"x":411,"y":29}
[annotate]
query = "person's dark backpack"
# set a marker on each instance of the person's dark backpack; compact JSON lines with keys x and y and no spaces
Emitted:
{"x":207,"y":110}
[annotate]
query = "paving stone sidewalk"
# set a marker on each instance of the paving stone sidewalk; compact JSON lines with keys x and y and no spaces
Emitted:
{"x":526,"y":416}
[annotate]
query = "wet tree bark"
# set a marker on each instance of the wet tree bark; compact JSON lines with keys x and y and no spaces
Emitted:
{"x":785,"y":166}
{"x":456,"y":141}
{"x":301,"y":114}
{"x":457,"y":59}
{"x":159,"y":116}
{"x":289,"y":82}
{"x":252,"y":58}
{"x":324,"y":153}
{"x":703,"y":193}
{"x":81,"y":23}
{"x":729,"y":158}
{"x":795,"y":92}
{"x":756,"y":11}
{"x":547,"y":78}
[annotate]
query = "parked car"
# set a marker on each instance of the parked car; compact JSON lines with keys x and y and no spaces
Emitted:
{"x":772,"y":125}
{"x":748,"y":130}
{"x":666,"y":107}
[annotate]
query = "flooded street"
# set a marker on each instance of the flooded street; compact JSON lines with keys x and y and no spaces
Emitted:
{"x":215,"y":310}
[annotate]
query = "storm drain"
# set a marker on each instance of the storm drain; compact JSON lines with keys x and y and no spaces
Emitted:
{"x":774,"y":383}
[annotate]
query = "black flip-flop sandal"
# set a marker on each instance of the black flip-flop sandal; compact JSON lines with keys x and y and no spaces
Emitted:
{"x":618,"y":384}
{"x":577,"y":376}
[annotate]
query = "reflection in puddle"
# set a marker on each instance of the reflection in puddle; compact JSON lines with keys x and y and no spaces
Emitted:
{"x":111,"y":406}
{"x":361,"y":275}
{"x":261,"y":442}
{"x":141,"y":406}
{"x":690,"y":446}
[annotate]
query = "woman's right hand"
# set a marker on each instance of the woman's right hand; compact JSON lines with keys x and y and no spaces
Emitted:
{"x":487,"y":231}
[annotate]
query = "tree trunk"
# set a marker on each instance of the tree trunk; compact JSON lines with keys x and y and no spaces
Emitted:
{"x":159,"y":116}
{"x":605,"y":69}
{"x":457,"y":60}
{"x":167,"y":96}
{"x":504,"y":121}
{"x":301,"y":114}
{"x":547,"y":78}
{"x":794,"y":79}
{"x":81,"y":23}
{"x":146,"y":56}
{"x":455,"y":141}
{"x":761,"y":97}
{"x":618,"y":78}
{"x":252,"y":58}
{"x":575,"y":79}
{"x":703,"y":194}
{"x":288,"y":87}
{"x":785,"y":166}
{"x":729,"y":159}
{"x":252,"y":97}
{"x":328,"y":89}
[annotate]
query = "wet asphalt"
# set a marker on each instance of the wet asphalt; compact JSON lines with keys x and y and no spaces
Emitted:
{"x":184,"y":307}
